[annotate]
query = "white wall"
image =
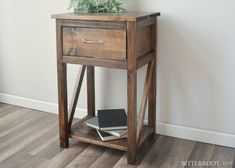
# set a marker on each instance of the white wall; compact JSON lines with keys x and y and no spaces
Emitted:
{"x":196,"y":63}
{"x":196,"y":81}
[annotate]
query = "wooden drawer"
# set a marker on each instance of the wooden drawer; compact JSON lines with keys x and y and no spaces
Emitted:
{"x":96,"y":43}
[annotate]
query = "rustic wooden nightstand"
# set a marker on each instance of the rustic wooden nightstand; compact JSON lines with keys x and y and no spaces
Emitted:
{"x":122,"y":41}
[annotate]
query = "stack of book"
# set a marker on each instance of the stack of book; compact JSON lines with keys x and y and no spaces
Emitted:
{"x":109,"y":124}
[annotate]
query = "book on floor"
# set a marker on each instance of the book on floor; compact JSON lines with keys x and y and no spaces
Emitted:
{"x":104,"y":136}
{"x":94,"y":123}
{"x":112,"y":119}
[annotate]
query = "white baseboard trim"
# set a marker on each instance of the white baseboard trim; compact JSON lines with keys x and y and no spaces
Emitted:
{"x":195,"y":134}
{"x":37,"y":104}
{"x":189,"y":133}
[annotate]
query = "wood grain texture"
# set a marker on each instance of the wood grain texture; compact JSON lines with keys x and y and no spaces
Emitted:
{"x":96,"y":62}
{"x":24,"y":156}
{"x":108,"y":159}
{"x":62,"y":90}
{"x":14,"y":116}
{"x":33,"y":148}
{"x":6,"y":109}
{"x":96,"y":43}
{"x":123,"y":16}
{"x":201,"y":152}
{"x":94,"y":24}
{"x":152,"y":96}
{"x":64,"y":157}
{"x":87,"y":157}
{"x":144,"y":41}
{"x":179,"y":151}
{"x":131,"y":93}
{"x":82,"y":132}
{"x":158,"y":153}
{"x":122,"y":163}
{"x":75,"y":95}
{"x":91,"y":90}
{"x":9,"y":148}
{"x":147,"y":82}
{"x":143,"y":60}
{"x":145,"y":22}
{"x":223,"y":154}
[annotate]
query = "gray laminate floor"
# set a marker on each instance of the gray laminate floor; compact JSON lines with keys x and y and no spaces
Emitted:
{"x":29,"y":138}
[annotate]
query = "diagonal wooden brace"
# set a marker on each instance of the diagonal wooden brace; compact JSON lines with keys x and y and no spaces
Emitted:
{"x":75,"y":96}
{"x":141,"y":115}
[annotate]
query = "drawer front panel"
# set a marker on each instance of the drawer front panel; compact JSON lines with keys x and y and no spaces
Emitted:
{"x":97,"y":43}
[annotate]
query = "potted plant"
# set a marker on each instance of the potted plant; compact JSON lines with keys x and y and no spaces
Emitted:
{"x":109,"y":6}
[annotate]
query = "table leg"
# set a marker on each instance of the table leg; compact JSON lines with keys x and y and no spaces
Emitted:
{"x":132,"y":144}
{"x":131,"y":94}
{"x":63,"y":107}
{"x":91,"y":90}
{"x":62,"y":91}
{"x":152,"y":93}
{"x":152,"y":101}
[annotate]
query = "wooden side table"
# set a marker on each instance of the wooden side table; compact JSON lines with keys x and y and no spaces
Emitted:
{"x":122,"y":41}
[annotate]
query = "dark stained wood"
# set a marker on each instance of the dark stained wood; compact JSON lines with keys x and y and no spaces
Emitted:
{"x":123,"y":163}
{"x":142,"y":151}
{"x":145,"y":146}
{"x":131,"y":92}
{"x":131,"y":44}
{"x":82,"y":132}
{"x":141,"y":61}
{"x":94,"y":24}
{"x":144,"y":41}
{"x":91,"y":90}
{"x":145,"y":22}
{"x":62,"y":90}
{"x":75,"y":96}
{"x":141,"y":115}
{"x":95,"y":62}
{"x":146,"y":133}
{"x":123,"y":16}
{"x":152,"y":95}
{"x":96,"y":43}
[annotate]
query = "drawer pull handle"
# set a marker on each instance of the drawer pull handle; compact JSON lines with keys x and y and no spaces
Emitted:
{"x":92,"y":42}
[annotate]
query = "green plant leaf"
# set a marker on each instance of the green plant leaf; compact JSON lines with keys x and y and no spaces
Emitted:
{"x":113,"y":6}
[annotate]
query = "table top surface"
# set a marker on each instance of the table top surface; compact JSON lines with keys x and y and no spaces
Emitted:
{"x":123,"y":16}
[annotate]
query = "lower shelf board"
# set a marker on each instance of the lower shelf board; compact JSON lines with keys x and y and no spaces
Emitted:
{"x":80,"y":131}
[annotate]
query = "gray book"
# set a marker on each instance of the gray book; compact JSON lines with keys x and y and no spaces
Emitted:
{"x":104,"y":136}
{"x":112,"y":119}
{"x":94,"y":123}
{"x":117,"y":133}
